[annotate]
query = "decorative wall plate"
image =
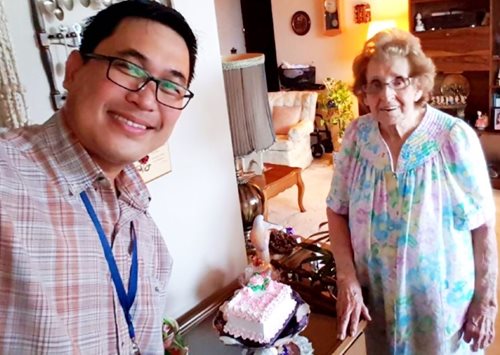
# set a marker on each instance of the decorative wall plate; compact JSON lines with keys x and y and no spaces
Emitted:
{"x":301,"y":23}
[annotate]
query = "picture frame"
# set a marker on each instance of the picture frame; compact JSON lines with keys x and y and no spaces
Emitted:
{"x":496,"y":119}
{"x":155,"y":164}
{"x":301,"y":23}
{"x":331,"y":17}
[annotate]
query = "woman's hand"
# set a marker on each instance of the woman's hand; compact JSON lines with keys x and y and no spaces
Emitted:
{"x":350,"y":306}
{"x":479,"y":326}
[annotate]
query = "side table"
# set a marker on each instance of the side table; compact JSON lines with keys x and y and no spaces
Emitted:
{"x":276,"y":179}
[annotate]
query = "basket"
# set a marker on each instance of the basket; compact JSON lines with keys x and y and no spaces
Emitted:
{"x":297,"y":78}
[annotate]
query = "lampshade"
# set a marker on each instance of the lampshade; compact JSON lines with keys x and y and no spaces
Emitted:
{"x":377,"y":26}
{"x":247,"y":101}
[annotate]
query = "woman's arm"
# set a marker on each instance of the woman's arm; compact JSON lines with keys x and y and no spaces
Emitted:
{"x":350,"y":305}
{"x":479,"y":326}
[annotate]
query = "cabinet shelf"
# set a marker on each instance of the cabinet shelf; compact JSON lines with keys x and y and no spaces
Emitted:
{"x":423,"y":1}
{"x":450,"y":107}
{"x":458,"y":49}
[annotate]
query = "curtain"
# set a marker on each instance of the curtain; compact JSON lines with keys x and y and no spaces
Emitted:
{"x":13,"y":111}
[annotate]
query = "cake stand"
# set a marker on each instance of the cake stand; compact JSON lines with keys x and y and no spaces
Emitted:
{"x":287,"y":341}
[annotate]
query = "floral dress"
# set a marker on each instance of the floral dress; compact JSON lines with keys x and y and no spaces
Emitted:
{"x":410,"y":229}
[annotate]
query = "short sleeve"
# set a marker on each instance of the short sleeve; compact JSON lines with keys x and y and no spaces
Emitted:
{"x":467,"y":179}
{"x":338,"y":197}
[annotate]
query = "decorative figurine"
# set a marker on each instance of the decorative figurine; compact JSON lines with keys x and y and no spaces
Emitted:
{"x":481,"y":121}
{"x":419,"y":26}
{"x":259,"y":235}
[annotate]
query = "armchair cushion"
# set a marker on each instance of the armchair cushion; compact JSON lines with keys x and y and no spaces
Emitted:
{"x":301,"y":131}
{"x":293,"y":148}
{"x":285,"y":117}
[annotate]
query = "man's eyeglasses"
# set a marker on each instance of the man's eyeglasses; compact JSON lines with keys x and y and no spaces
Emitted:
{"x":376,"y":86}
{"x":132,"y":77}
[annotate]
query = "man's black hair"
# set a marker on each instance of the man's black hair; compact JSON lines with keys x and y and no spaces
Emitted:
{"x":102,"y":25}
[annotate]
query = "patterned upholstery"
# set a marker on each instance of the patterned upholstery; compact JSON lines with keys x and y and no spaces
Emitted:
{"x":293,"y":149}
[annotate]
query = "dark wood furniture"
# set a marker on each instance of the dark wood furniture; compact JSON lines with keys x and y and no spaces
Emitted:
{"x":468,"y":50}
{"x":321,"y":333}
{"x":473,"y":51}
{"x":201,"y":338}
{"x":276,"y":179}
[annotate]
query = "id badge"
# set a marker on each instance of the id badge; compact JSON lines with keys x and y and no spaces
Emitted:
{"x":135,"y":348}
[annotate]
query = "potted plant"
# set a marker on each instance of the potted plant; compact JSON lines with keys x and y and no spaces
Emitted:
{"x":335,"y":105}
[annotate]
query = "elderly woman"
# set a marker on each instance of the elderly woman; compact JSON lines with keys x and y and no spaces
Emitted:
{"x":411,"y":213}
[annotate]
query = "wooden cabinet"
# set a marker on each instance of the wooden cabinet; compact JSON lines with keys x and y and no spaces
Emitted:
{"x":459,"y":36}
{"x":463,"y":36}
{"x":457,"y":50}
{"x":495,"y":65}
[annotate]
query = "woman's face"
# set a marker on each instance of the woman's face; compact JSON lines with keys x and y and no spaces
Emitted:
{"x":390,"y":93}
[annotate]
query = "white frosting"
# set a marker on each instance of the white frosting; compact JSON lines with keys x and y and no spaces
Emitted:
{"x":259,"y":315}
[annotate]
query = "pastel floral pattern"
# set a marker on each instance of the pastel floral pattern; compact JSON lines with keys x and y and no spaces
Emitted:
{"x":410,"y":228}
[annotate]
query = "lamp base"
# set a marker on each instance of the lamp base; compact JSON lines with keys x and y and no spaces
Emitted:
{"x":251,"y":205}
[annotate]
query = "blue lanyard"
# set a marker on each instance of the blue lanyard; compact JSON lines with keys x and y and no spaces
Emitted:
{"x":126,"y":298}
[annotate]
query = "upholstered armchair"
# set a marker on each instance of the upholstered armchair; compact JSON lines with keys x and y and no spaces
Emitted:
{"x":293,"y":120}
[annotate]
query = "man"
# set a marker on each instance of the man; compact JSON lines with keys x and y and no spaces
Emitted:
{"x":83,"y":268}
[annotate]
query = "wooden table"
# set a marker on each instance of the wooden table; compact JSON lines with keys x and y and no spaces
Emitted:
{"x":202,"y":338}
{"x":276,"y":179}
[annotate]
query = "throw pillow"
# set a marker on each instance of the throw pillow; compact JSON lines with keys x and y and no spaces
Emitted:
{"x":285,"y":117}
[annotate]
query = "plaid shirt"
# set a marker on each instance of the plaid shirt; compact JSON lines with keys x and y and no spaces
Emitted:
{"x":56,"y":292}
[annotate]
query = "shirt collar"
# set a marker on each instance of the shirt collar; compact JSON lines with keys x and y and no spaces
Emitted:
{"x":81,"y":172}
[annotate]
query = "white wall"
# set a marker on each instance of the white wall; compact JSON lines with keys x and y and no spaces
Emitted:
{"x":332,"y":55}
{"x":195,"y":206}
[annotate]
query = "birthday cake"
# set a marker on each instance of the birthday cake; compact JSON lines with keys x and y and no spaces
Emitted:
{"x":259,"y":310}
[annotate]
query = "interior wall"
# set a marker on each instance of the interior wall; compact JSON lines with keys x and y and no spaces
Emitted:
{"x":332,"y":55}
{"x":196,"y":206}
{"x":230,"y":26}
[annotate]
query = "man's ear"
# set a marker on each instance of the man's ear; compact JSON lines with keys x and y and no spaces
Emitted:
{"x":73,"y":64}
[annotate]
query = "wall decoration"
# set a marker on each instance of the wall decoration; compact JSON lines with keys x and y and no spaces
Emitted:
{"x":155,"y":164}
{"x":496,"y":118}
{"x":362,"y":13}
{"x":58,"y":29}
{"x":331,"y":14}
{"x":301,"y":23}
{"x":13,"y":110}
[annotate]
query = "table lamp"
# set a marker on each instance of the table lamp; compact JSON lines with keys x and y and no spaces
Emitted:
{"x":251,"y":125}
{"x":377,"y":26}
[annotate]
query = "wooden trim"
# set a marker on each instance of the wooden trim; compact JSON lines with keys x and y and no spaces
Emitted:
{"x":206,"y":308}
{"x":331,"y":31}
{"x":349,"y":341}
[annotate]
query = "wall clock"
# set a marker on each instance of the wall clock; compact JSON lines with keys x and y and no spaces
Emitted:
{"x":301,"y":23}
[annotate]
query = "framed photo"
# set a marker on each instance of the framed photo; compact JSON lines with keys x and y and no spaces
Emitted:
{"x":331,"y":15}
{"x":496,"y":119}
{"x":154,"y":165}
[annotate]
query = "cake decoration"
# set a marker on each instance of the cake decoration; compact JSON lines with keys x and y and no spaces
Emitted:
{"x":258,"y":283}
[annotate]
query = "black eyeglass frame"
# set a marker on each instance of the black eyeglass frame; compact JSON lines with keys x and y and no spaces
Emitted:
{"x":407,"y":81}
{"x":110,"y":59}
